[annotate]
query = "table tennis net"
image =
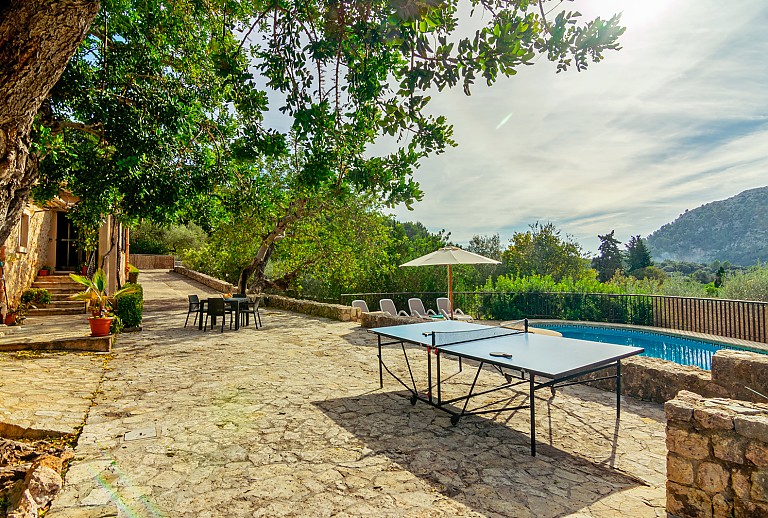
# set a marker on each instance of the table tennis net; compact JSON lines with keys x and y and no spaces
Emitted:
{"x":456,"y":337}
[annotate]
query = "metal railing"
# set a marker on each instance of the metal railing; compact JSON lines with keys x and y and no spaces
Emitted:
{"x":740,"y":319}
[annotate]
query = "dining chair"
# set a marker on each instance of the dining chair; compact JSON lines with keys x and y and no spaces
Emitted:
{"x":194,"y":307}
{"x":253,"y":309}
{"x":217,"y":307}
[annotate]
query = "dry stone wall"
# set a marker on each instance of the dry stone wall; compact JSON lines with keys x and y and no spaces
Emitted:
{"x":717,"y":460}
{"x":211,"y":282}
{"x":310,"y":307}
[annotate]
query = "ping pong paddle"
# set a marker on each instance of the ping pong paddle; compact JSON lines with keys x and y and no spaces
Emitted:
{"x":502,"y":354}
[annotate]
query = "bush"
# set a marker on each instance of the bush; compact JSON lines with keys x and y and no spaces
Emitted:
{"x":130,"y":306}
{"x":36,"y":296}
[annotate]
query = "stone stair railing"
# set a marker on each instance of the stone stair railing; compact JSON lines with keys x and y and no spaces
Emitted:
{"x":61,"y":287}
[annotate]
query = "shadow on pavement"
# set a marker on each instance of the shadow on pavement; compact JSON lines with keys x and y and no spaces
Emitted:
{"x":481,"y":463}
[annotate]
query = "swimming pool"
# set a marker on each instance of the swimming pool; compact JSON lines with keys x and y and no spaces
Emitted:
{"x":684,"y":351}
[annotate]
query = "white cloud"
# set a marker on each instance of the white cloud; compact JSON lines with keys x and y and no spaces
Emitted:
{"x":676,"y":119}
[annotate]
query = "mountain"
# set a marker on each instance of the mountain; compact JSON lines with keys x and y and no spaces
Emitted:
{"x":734,"y":230}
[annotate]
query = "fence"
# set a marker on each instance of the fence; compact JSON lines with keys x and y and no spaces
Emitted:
{"x":151,"y":262}
{"x":740,"y":319}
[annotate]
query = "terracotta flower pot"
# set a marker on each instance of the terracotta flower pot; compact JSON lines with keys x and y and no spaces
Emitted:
{"x":100,"y":325}
{"x":42,"y":273}
{"x":10,"y":319}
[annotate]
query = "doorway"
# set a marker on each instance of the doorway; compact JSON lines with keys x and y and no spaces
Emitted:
{"x":68,"y":257}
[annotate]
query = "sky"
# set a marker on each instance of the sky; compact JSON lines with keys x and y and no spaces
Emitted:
{"x":676,"y":119}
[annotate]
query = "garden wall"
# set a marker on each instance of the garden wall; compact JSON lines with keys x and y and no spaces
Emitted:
{"x":152,"y":262}
{"x":211,"y":282}
{"x":653,"y":379}
{"x":717,"y":459}
{"x":310,"y":307}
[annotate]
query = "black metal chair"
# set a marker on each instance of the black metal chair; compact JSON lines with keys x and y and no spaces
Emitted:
{"x":217,"y":308}
{"x":253,"y":309}
{"x":194,"y":307}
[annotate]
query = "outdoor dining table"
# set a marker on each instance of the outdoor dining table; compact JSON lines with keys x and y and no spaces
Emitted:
{"x":236,"y":303}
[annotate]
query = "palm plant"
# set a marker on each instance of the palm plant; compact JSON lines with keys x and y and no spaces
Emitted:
{"x":95,"y":294}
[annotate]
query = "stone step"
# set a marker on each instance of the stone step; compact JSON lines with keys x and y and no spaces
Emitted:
{"x":61,"y":296}
{"x":56,"y":311}
{"x":74,"y":288}
{"x":53,"y":279}
{"x":58,"y":285}
{"x":65,"y":303}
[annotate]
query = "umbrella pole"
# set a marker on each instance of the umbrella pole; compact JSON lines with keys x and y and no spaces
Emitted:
{"x":450,"y":288}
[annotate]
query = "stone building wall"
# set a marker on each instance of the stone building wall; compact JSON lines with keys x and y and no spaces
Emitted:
{"x":717,"y":460}
{"x":22,"y":263}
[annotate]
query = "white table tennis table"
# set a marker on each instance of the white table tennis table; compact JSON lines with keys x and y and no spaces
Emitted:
{"x":541,"y":361}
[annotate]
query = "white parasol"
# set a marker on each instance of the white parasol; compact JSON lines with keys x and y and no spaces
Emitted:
{"x":449,"y":256}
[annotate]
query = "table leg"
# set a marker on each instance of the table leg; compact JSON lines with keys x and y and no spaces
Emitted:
{"x":381,"y":367}
{"x":618,"y":389}
{"x":532,"y":393}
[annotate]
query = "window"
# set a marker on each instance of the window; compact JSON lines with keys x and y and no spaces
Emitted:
{"x":23,"y":233}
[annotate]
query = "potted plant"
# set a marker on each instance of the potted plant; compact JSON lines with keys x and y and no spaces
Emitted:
{"x":38,"y":296}
{"x":133,"y":274}
{"x":16,"y":317}
{"x":45,"y":270}
{"x":99,"y":302}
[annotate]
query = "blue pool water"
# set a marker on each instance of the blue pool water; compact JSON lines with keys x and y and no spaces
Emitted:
{"x":679,"y":350}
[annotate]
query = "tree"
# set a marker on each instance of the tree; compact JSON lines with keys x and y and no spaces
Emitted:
{"x":346,"y":75}
{"x":351,"y":73}
{"x":136,"y":125}
{"x":609,"y":260}
{"x":542,"y":251}
{"x":638,"y":255}
{"x":37,"y":38}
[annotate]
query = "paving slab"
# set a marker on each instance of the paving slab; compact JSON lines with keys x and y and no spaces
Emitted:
{"x":289,"y":420}
{"x":47,"y":394}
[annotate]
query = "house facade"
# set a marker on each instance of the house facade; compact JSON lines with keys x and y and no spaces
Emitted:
{"x":45,"y":236}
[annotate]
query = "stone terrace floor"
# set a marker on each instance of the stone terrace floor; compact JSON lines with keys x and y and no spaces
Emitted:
{"x":289,"y":420}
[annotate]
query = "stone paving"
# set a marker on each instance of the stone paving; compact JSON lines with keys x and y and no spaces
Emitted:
{"x":289,"y":420}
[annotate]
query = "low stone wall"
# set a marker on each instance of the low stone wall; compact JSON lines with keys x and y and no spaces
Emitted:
{"x":382,"y":319}
{"x":653,"y":379}
{"x":717,"y":460}
{"x":152,"y":262}
{"x":211,"y":282}
{"x":735,"y":370}
{"x":310,"y":307}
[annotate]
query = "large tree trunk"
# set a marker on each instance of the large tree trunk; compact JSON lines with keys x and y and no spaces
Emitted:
{"x":257,"y":267}
{"x":37,"y":38}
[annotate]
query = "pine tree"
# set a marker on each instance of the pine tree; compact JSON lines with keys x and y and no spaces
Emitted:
{"x":609,"y":260}
{"x":638,"y":255}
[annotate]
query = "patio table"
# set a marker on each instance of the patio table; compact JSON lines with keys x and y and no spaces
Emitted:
{"x":234,"y":303}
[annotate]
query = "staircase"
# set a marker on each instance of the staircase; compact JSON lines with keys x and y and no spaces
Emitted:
{"x":61,"y":287}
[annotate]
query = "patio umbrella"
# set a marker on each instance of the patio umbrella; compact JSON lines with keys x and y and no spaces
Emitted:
{"x":449,"y":256}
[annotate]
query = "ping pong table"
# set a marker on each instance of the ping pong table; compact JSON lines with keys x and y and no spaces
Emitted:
{"x":521,"y":357}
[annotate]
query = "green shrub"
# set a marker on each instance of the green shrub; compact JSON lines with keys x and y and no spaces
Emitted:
{"x":130,"y":306}
{"x":37,"y":296}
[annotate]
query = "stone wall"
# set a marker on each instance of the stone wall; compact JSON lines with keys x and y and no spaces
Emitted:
{"x":657,"y":380}
{"x":717,"y":460}
{"x":22,"y":264}
{"x":211,"y":282}
{"x":309,"y":307}
{"x":152,"y":262}
{"x":382,"y":319}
